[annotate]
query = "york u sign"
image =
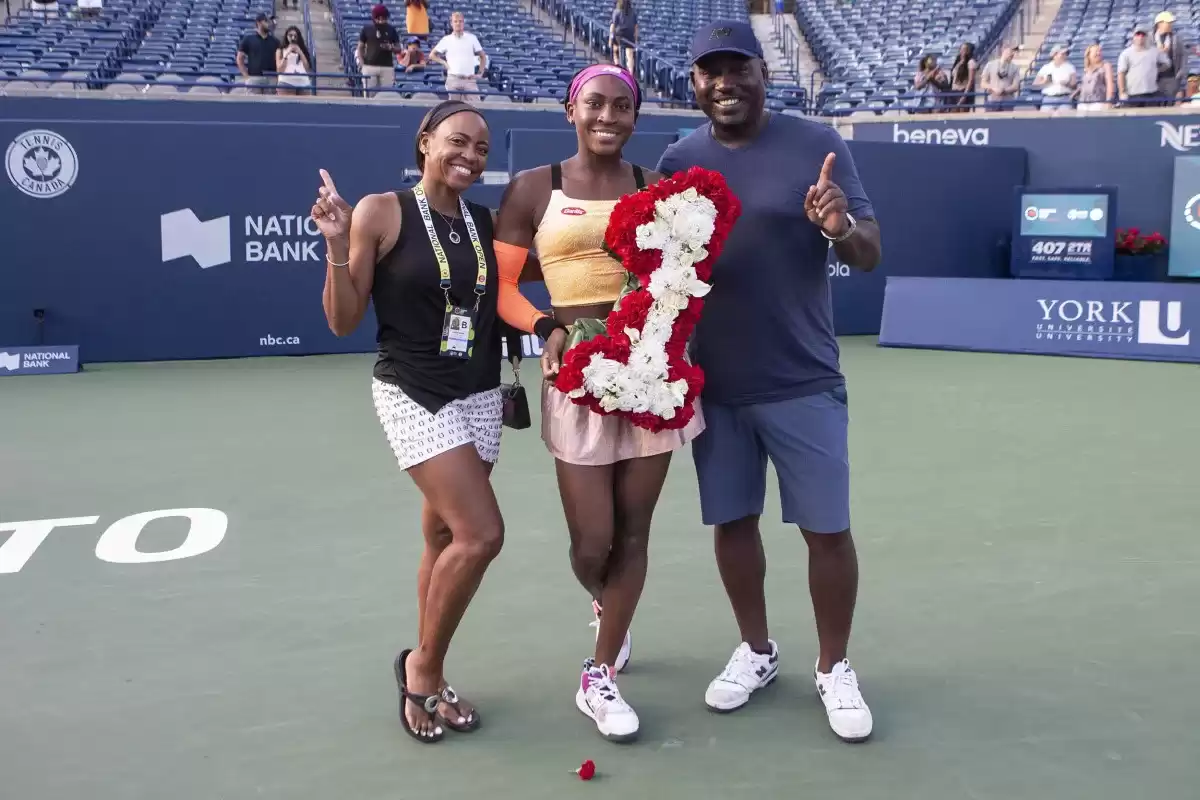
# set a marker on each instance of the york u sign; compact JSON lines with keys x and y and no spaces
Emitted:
{"x":119,"y":542}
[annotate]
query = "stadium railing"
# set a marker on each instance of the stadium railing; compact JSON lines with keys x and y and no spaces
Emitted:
{"x":312,"y":42}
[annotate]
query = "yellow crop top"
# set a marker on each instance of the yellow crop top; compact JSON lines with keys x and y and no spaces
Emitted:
{"x":570,"y":247}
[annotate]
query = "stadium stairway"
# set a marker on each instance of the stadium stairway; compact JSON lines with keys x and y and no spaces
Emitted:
{"x":579,"y":42}
{"x":324,"y":38}
{"x":1031,"y":43}
{"x":778,"y":64}
{"x":810,"y":70}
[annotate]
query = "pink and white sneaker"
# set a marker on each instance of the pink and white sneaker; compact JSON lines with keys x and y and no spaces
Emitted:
{"x":599,"y":698}
{"x":626,"y":646}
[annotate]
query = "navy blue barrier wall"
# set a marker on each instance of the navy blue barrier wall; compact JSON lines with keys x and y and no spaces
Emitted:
{"x":944,"y":213}
{"x":180,"y":230}
{"x":1134,"y":153}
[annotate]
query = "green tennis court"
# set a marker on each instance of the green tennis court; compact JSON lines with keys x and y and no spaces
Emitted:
{"x":1029,"y":531}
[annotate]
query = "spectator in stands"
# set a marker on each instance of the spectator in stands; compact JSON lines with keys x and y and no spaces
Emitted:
{"x":256,"y":56}
{"x":416,"y":18}
{"x":438,"y":398}
{"x":47,"y":8}
{"x":929,"y":83}
{"x":293,"y":63}
{"x":1001,"y":81}
{"x":623,"y":34}
{"x":463,"y":57}
{"x":1058,"y":80}
{"x":610,"y":473}
{"x":90,"y":9}
{"x":1172,"y":77}
{"x":962,"y":79}
{"x":412,"y":59}
{"x":773,"y":387}
{"x":1097,"y":88}
{"x":1138,"y":68}
{"x":376,"y":51}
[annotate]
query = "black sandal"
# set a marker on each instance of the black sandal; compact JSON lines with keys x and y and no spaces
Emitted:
{"x":450,"y":698}
{"x":426,"y":702}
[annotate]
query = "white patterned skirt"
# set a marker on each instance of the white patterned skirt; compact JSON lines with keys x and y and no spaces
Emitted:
{"x":416,"y":435}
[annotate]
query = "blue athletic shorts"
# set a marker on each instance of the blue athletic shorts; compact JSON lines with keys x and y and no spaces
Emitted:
{"x":805,"y":438}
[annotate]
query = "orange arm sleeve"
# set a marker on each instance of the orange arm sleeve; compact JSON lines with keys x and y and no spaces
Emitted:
{"x":511,"y":304}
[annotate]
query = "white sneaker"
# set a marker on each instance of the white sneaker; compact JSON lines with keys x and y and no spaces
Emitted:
{"x":626,"y":646}
{"x":746,"y":673}
{"x":848,"y":713}
{"x":599,"y":698}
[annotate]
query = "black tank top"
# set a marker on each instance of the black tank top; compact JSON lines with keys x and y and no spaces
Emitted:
{"x":410,"y":309}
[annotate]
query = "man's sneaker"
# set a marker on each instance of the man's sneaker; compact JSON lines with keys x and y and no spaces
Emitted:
{"x":848,"y":713}
{"x":626,"y":646}
{"x":599,"y":698}
{"x":746,"y":673}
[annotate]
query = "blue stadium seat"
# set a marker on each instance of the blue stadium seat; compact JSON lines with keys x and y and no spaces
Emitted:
{"x":527,"y":60}
{"x":869,"y":49}
{"x":133,"y":41}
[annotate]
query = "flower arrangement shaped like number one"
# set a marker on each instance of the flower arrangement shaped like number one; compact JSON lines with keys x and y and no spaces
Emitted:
{"x":667,"y":237}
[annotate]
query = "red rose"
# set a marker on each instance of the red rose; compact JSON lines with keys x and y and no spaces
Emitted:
{"x":586,"y":771}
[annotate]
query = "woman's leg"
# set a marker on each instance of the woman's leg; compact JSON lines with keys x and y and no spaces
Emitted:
{"x":458,"y":491}
{"x":437,"y":536}
{"x":637,"y":486}
{"x":587,"y":499}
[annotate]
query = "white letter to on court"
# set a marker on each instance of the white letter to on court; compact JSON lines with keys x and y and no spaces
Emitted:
{"x":206,"y":529}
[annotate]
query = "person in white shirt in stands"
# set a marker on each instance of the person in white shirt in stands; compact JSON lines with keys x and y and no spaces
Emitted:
{"x":1058,"y":80}
{"x":463,"y":57}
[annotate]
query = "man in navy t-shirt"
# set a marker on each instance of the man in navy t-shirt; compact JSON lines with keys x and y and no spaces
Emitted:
{"x":773,"y":384}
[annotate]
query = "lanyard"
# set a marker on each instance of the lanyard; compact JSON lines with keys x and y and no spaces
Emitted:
{"x":440,"y":253}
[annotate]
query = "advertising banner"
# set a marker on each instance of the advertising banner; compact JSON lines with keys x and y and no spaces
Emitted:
{"x":40,"y":360}
{"x":1096,"y":319}
{"x":1135,"y":153}
{"x":1183,"y":252}
{"x":1064,"y":233}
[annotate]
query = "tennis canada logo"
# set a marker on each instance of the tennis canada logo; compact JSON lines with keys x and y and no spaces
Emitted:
{"x":41,"y":164}
{"x":1113,"y":321}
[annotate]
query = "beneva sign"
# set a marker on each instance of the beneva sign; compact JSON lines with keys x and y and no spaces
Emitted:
{"x":977,"y":137}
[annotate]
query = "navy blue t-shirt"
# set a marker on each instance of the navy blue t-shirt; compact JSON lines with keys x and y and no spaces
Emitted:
{"x":766,"y":333}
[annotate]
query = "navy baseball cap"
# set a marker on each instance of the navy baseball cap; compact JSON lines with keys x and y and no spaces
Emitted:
{"x":725,"y":36}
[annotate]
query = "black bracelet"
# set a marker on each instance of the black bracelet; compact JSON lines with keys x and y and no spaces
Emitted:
{"x":546,"y":326}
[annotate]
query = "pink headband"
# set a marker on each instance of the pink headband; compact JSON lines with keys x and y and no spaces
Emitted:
{"x":597,"y":70}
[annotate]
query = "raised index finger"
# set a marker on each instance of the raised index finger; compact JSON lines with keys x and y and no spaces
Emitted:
{"x":827,"y":167}
{"x":328,"y":181}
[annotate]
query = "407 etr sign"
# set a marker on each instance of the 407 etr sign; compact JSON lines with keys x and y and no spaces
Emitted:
{"x":1050,"y":250}
{"x":118,"y":543}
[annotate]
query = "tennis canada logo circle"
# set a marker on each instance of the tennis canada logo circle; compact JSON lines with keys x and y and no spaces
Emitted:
{"x":41,"y":164}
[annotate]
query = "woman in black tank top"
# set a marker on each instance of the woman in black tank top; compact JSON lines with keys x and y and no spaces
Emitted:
{"x":425,"y":257}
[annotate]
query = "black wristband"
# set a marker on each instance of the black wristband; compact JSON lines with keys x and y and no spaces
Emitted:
{"x":546,"y":326}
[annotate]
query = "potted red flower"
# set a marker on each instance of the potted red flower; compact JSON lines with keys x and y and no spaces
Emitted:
{"x":1139,"y":256}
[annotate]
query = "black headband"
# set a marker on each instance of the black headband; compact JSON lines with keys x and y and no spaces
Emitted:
{"x":436,"y":116}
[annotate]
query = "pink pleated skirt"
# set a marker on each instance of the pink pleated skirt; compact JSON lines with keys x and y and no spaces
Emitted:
{"x":577,"y":435}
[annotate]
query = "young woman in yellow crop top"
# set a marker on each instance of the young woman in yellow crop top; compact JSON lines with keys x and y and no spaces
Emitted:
{"x":610,"y":473}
